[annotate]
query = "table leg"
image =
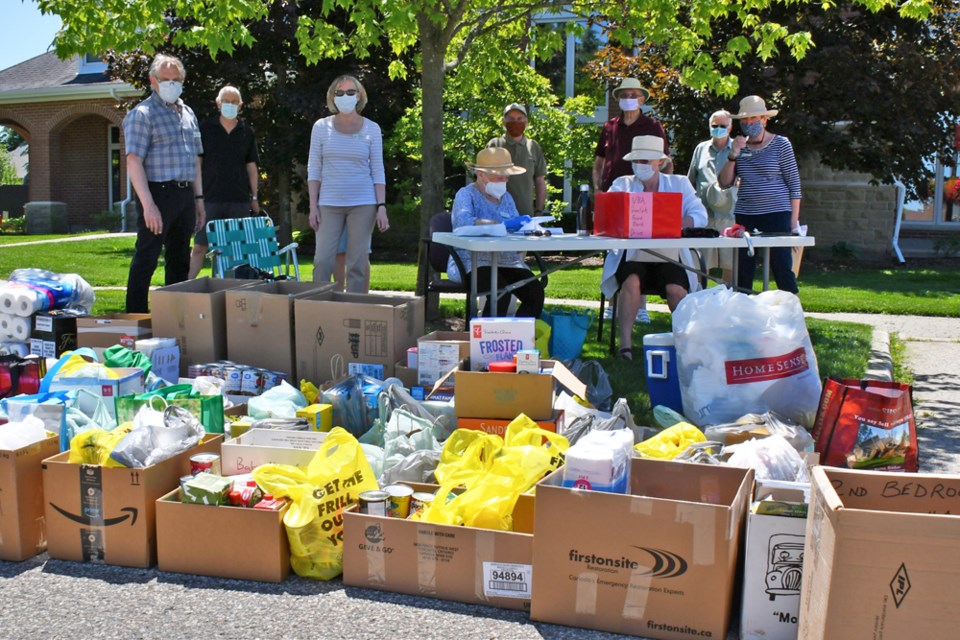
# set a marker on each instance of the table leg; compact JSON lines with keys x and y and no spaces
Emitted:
{"x":473,"y":282}
{"x":766,"y":268}
{"x":494,"y":261}
{"x":735,"y":269}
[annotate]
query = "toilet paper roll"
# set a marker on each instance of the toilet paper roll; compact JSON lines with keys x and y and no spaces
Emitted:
{"x":6,"y":327}
{"x":7,"y":299}
{"x":21,"y":349}
{"x":20,"y":329}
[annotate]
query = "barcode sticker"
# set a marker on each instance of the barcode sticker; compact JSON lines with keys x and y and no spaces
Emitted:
{"x":507,"y":580}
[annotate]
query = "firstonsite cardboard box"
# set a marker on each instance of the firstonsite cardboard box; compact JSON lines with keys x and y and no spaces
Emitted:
{"x":498,"y":426}
{"x":637,"y":215}
{"x":116,"y":328}
{"x":773,"y":560}
{"x":249,"y":450}
{"x":439,"y":352}
{"x":658,"y":563}
{"x":477,"y":566}
{"x":194,"y":312}
{"x":264,"y":555}
{"x":481,"y":394}
{"x":882,"y":556}
{"x":260,"y":323}
{"x":369,"y":328}
{"x":498,"y":339}
{"x":23,"y":529}
{"x":100,"y":514}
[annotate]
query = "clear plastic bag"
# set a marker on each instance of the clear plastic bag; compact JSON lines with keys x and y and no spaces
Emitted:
{"x":591,"y":373}
{"x":772,"y":458}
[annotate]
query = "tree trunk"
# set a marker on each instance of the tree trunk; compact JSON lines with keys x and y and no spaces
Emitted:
{"x":433,"y":47}
{"x":285,"y":232}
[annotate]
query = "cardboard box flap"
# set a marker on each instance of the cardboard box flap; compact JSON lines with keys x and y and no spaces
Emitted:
{"x":879,"y":492}
{"x":782,"y":491}
{"x":560,"y":373}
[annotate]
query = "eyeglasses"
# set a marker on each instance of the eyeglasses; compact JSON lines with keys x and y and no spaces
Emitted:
{"x":348,"y":92}
{"x":538,"y":232}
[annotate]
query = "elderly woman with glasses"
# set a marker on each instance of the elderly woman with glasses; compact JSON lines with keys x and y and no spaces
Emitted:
{"x":347,"y":184}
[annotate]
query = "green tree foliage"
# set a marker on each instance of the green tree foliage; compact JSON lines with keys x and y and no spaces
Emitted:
{"x":8,"y":173}
{"x":10,"y":139}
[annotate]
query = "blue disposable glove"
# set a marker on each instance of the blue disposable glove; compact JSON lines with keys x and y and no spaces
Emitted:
{"x":514,"y":224}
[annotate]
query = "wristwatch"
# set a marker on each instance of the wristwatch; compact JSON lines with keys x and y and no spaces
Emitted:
{"x":254,"y":198}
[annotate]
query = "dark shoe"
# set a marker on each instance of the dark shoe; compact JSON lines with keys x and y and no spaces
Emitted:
{"x":626,"y":353}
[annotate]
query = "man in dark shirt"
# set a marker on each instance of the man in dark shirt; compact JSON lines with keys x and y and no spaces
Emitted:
{"x":230,"y":174}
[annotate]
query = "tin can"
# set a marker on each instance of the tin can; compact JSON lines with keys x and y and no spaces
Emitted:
{"x":419,"y":502}
{"x":251,"y":382}
{"x":195,"y":371}
{"x":232,"y":377}
{"x":399,"y":503}
{"x":273,"y":379}
{"x":205,"y":463}
{"x":183,"y":482}
{"x":213,"y":369}
{"x":374,"y":503}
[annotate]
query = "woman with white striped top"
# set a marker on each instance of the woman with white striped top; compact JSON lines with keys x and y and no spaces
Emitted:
{"x":346,"y":182}
{"x":769,"y":196}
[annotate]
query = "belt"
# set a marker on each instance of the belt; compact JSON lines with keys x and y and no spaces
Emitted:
{"x":173,"y":184}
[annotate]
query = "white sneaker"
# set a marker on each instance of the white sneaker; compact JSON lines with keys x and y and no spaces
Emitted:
{"x":643,"y":317}
{"x":608,"y":313}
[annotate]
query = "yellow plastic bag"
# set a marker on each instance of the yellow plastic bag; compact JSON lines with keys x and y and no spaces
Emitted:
{"x":309,"y":391}
{"x":494,"y":479}
{"x":668,"y":444}
{"x":94,"y":446}
{"x":336,"y":476}
{"x":541,"y":339}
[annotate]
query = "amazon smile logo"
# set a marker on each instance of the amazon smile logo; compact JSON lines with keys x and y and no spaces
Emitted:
{"x":131,"y":515}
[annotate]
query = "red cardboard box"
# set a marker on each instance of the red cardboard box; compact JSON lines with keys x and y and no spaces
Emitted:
{"x":498,"y":426}
{"x":637,"y":215}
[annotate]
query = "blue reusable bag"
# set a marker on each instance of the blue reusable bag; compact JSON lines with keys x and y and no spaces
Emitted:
{"x":568,"y":331}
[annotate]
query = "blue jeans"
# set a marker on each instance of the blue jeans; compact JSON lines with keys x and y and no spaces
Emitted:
{"x":781,"y":258}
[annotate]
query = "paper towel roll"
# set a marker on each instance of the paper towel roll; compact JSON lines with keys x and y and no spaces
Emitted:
{"x":27,"y":302}
{"x":20,"y":328}
{"x":7,"y":299}
{"x":21,"y":349}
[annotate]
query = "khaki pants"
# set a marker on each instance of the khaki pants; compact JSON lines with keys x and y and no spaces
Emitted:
{"x":358,"y":221}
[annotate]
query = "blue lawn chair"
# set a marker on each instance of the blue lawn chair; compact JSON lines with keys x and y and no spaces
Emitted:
{"x":235,"y":242}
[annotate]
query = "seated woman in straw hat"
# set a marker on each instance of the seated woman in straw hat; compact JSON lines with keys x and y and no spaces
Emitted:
{"x":636,"y":272}
{"x":769,"y":196}
{"x":484,"y":201}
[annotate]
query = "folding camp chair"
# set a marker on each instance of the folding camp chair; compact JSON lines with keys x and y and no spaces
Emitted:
{"x":235,"y":242}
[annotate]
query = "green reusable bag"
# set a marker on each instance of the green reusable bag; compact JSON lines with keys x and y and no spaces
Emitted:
{"x":207,"y":409}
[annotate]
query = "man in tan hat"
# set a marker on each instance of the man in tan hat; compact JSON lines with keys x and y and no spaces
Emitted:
{"x":529,"y":189}
{"x":487,"y":201}
{"x":618,"y":133}
{"x":635,"y":272}
{"x":708,"y":158}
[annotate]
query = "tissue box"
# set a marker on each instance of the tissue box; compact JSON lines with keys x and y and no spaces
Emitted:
{"x":206,"y":488}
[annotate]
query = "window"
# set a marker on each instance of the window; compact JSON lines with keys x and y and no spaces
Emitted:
{"x":90,"y":63}
{"x":942,"y":206}
{"x":114,"y":159}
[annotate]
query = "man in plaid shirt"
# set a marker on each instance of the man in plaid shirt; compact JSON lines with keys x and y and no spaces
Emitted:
{"x":163,"y":148}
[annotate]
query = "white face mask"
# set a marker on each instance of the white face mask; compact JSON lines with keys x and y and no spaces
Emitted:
{"x":496,"y":189}
{"x":229,"y":111}
{"x":629,"y":104}
{"x":642,"y":171}
{"x":169,"y":90}
{"x":345,"y":104}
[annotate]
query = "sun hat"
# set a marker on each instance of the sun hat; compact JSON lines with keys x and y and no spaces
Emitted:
{"x":719,"y":200}
{"x":646,"y":148}
{"x":514,"y":106}
{"x":496,"y":160}
{"x":754,"y":106}
{"x":631,"y":83}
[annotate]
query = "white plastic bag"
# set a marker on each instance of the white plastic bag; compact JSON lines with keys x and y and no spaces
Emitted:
{"x":738,"y":354}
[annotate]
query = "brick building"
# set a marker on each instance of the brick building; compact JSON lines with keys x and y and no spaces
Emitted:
{"x":69,"y":113}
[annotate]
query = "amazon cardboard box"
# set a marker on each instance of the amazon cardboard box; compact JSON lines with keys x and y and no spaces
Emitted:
{"x":481,"y":394}
{"x":637,"y":215}
{"x":264,"y":555}
{"x":260,"y":323}
{"x":116,"y":328}
{"x":100,"y":514}
{"x":477,"y":566}
{"x":773,"y":560}
{"x":357,"y":327}
{"x":882,"y":556}
{"x":194,"y":312}
{"x":658,"y":562}
{"x":23,"y":528}
{"x":249,"y":450}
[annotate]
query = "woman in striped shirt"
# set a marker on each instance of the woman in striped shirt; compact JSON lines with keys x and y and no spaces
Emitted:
{"x":346,"y":182}
{"x":769,"y":196}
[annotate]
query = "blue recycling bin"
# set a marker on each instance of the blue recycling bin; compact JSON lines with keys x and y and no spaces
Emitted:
{"x":663,"y":381}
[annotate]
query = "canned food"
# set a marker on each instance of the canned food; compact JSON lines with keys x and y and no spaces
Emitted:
{"x":419,"y":501}
{"x":232,"y":376}
{"x":374,"y":503}
{"x":195,"y":371}
{"x":213,"y":369}
{"x":251,"y":382}
{"x":399,"y":503}
{"x":205,"y":463}
{"x":273,"y":379}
